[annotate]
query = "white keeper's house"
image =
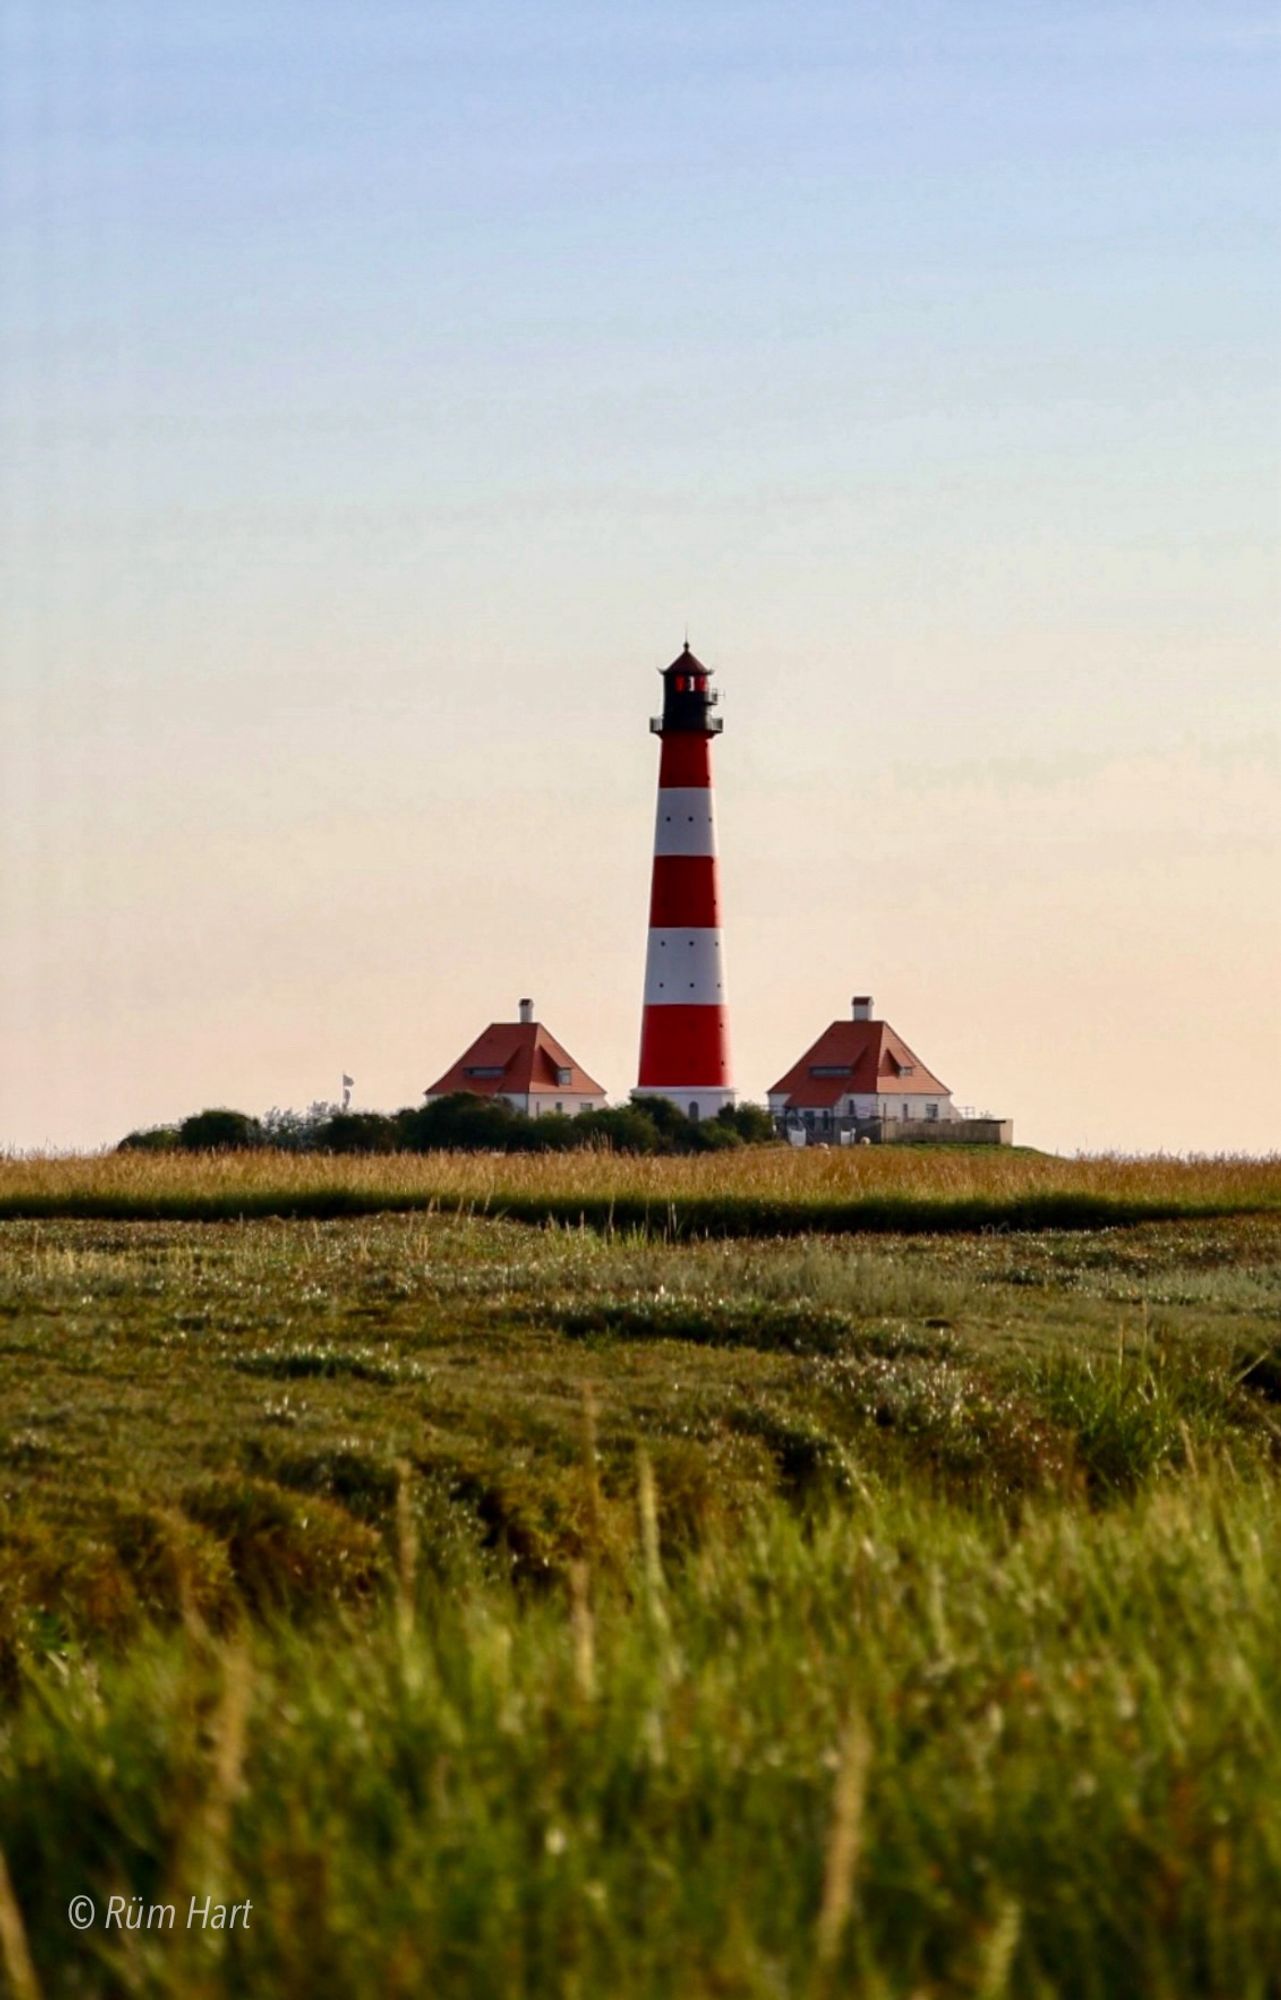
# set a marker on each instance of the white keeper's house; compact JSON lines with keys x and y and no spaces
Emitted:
{"x":858,"y":1071}
{"x":519,"y":1062}
{"x":861,"y":1080}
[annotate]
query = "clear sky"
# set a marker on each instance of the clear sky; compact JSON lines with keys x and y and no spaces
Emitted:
{"x":382,"y":388}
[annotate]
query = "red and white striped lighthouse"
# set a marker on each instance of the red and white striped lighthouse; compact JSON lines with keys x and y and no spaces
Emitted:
{"x":684,"y":1050}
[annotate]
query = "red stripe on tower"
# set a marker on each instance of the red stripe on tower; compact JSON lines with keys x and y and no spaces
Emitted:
{"x":684,"y":1050}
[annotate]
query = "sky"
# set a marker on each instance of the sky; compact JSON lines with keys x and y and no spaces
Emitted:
{"x":386,"y":388}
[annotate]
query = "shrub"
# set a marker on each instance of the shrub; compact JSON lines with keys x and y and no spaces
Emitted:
{"x":552,"y":1133}
{"x":357,"y":1132}
{"x":752,"y":1122}
{"x":678,"y":1133}
{"x":668,"y":1120}
{"x":621,"y":1126}
{"x":152,"y":1139}
{"x":462,"y":1122}
{"x":712,"y":1137}
{"x":465,"y":1123}
{"x":219,"y":1131}
{"x":296,"y":1131}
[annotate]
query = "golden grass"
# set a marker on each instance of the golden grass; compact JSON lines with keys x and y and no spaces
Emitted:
{"x":771,"y":1174}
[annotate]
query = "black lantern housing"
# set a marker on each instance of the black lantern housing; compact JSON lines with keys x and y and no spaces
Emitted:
{"x":688,"y":699}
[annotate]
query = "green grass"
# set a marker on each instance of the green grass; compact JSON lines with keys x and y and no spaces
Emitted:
{"x":1024,"y":1761}
{"x":945,"y":1662}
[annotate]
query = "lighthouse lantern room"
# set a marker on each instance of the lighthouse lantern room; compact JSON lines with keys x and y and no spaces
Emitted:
{"x":685,"y":1030}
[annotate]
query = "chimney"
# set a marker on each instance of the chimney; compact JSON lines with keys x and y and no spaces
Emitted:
{"x":526,"y":1010}
{"x":862,"y":1005}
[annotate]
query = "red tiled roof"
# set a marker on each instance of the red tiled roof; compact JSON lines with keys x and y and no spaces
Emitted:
{"x":524,"y":1059}
{"x":872,"y":1058}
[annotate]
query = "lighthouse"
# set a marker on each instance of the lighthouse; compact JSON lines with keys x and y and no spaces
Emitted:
{"x":684,"y":1051}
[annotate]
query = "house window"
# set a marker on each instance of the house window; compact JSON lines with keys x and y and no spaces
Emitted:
{"x":931,"y":1111}
{"x":560,"y":1107}
{"x":693,"y":1108}
{"x":564,"y":1078}
{"x":907,"y":1110}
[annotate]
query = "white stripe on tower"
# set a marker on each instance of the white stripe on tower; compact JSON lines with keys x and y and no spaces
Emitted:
{"x":684,"y":1032}
{"x":686,"y":820}
{"x":684,"y":967}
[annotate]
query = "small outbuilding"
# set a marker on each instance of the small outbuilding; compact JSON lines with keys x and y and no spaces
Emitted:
{"x":519,"y":1062}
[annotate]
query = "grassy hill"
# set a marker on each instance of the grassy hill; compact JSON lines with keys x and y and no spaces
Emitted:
{"x":627,"y":1610}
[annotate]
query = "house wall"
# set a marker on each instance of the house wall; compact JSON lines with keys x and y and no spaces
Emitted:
{"x":902,"y":1132}
{"x":957,"y":1131}
{"x":709,"y":1102}
{"x":891,"y":1106}
{"x":875,"y":1105}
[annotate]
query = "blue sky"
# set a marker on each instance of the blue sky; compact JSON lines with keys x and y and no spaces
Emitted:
{"x":385,"y":386}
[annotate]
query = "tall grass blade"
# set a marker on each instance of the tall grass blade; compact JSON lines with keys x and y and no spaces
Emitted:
{"x":844,"y":1843}
{"x":14,"y":1951}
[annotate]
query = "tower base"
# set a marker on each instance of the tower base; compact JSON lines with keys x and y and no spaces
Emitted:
{"x":693,"y":1101}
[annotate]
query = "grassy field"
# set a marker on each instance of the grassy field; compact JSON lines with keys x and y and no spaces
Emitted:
{"x":757,"y":1190}
{"x":552,"y":1610}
